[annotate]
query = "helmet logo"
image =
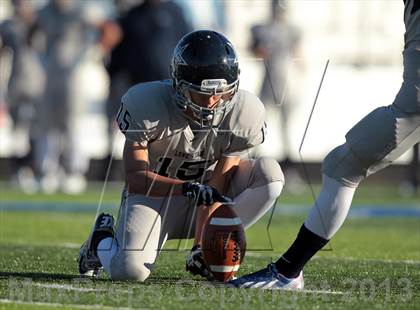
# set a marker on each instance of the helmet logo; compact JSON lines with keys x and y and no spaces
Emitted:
{"x":178,"y":54}
{"x":213,"y":84}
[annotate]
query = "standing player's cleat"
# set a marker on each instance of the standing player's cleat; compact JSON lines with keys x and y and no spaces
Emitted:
{"x":268,"y":279}
{"x":88,"y":260}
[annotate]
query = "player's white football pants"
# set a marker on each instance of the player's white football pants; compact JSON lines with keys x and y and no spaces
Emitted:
{"x":145,"y":223}
{"x":372,"y":144}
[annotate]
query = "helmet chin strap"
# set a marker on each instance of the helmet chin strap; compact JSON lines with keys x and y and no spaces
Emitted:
{"x":215,"y":117}
{"x":204,"y":117}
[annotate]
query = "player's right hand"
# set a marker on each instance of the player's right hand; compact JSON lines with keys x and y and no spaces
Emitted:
{"x":195,"y":263}
{"x":204,"y":194}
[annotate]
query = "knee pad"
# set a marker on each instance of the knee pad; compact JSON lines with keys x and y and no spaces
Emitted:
{"x":372,"y":144}
{"x":128,"y":265}
{"x":266,"y":170}
{"x":344,"y":166}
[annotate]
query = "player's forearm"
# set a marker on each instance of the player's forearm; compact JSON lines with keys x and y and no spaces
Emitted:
{"x":152,"y":184}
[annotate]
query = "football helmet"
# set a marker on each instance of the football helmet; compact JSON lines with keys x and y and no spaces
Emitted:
{"x":205,"y":62}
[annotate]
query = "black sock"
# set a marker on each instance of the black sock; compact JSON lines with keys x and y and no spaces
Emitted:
{"x":305,"y":246}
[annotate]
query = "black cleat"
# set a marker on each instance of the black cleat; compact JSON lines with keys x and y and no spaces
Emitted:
{"x":88,"y":260}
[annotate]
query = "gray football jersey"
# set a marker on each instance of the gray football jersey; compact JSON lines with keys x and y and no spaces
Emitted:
{"x":411,"y":56}
{"x":412,"y":25}
{"x":149,"y":116}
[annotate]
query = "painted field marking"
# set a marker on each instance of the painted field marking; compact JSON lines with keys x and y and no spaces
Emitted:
{"x":348,"y":258}
{"x":47,"y":304}
{"x":373,"y":260}
{"x":411,"y":210}
{"x":68,"y":287}
{"x":71,"y":288}
{"x":321,"y":292}
{"x":69,"y":245}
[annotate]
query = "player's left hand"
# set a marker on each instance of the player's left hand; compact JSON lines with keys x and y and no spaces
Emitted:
{"x":204,"y":194}
{"x":195,"y":263}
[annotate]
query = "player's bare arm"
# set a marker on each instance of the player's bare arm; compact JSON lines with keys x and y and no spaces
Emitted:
{"x":140,"y":180}
{"x":143,"y":181}
{"x":219,"y":180}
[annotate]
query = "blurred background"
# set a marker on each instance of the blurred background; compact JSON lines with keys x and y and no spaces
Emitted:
{"x":64,"y":65}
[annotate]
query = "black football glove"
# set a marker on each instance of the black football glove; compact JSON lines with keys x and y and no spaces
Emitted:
{"x":195,"y":263}
{"x":204,"y":194}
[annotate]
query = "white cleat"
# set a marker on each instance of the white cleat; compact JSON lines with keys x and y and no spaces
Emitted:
{"x":268,"y":279}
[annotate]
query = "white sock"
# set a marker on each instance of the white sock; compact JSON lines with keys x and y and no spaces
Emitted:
{"x":330,"y":209}
{"x":107,"y":248}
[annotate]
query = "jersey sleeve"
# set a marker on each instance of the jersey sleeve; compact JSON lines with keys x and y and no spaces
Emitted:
{"x":132,"y":126}
{"x":250,"y":128}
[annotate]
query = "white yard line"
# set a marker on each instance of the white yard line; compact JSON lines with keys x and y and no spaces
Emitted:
{"x":347,"y":258}
{"x":69,"y":245}
{"x":259,"y":254}
{"x":68,"y":287}
{"x":373,"y":260}
{"x":321,"y":292}
{"x":47,"y":304}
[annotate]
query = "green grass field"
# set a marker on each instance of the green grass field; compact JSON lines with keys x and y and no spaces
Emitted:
{"x":372,"y":262}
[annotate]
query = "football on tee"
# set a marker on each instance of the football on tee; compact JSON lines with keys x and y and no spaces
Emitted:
{"x":223,"y":243}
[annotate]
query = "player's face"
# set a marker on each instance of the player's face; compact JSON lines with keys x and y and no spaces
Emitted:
{"x":205,"y":101}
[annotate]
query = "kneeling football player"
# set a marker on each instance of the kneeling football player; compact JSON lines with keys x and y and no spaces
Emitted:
{"x":185,"y":154}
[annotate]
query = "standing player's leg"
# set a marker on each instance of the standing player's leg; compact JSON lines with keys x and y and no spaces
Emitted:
{"x":372,"y":144}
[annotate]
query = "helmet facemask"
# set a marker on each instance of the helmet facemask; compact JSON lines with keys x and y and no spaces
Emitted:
{"x":203,"y":116}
